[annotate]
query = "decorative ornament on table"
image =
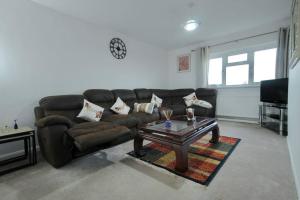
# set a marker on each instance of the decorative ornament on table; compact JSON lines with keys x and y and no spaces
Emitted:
{"x":118,"y":48}
{"x":168,"y":114}
{"x":190,"y":114}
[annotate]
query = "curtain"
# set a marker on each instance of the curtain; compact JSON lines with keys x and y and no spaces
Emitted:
{"x":202,"y":67}
{"x":282,"y":53}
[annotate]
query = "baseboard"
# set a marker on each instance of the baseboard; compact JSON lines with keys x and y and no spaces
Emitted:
{"x":294,"y":170}
{"x":238,"y":119}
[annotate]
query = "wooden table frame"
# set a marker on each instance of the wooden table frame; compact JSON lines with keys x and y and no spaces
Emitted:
{"x":180,"y":144}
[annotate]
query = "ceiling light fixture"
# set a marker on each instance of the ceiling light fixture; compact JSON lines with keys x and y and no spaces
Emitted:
{"x":191,"y":25}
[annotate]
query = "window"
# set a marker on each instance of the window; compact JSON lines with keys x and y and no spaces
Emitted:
{"x":264,"y":64}
{"x":243,"y":68}
{"x":215,"y":71}
{"x":237,"y":75}
{"x":238,"y":58}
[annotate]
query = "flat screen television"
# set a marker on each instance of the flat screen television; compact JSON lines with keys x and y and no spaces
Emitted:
{"x":274,"y":91}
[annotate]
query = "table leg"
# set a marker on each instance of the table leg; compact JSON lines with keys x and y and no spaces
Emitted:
{"x":30,"y":150}
{"x":138,"y":145}
{"x":25,"y":148}
{"x":34,"y":149}
{"x":215,"y":135}
{"x":181,"y":153}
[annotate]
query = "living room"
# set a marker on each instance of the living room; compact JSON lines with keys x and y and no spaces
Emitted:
{"x":181,"y":92}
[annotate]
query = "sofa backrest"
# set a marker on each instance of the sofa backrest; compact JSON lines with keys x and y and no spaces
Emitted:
{"x":178,"y":94}
{"x":128,"y":96}
{"x":165,"y":95}
{"x":65,"y":105}
{"x":170,"y":97}
{"x":209,"y":95}
{"x":101,"y":97}
{"x":143,"y":95}
{"x":70,"y":105}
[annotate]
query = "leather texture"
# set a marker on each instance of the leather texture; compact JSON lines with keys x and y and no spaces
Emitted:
{"x":39,"y":113}
{"x":100,"y":97}
{"x":209,"y":95}
{"x":144,"y":118}
{"x":143,"y":95}
{"x":55,"y":145}
{"x":65,"y":105}
{"x":123,"y":120}
{"x":128,"y":96}
{"x":178,"y":109}
{"x":62,"y":135}
{"x":91,"y":134}
{"x":62,"y":102}
{"x":54,"y":120}
{"x":177,"y":96}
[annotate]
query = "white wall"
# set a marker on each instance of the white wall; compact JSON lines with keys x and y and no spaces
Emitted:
{"x":293,"y":125}
{"x":232,"y":102}
{"x":46,"y":53}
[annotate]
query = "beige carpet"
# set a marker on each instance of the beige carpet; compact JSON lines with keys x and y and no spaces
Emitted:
{"x":259,"y":169}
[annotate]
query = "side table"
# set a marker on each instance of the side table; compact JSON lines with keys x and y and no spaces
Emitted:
{"x":26,"y":134}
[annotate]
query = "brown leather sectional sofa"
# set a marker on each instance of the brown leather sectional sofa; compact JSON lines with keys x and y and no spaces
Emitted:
{"x":62,"y":136}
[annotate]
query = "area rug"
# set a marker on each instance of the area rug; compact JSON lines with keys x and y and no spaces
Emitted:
{"x":205,"y":159}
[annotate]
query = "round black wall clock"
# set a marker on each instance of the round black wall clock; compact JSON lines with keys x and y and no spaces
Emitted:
{"x":118,"y":48}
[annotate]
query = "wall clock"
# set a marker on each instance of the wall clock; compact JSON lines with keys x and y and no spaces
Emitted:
{"x":118,"y":48}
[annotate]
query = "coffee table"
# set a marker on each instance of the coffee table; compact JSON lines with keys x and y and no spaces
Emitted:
{"x":179,"y":136}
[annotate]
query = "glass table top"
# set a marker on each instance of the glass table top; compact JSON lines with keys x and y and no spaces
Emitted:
{"x":179,"y":126}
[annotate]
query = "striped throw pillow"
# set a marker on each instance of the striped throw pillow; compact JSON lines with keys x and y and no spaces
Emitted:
{"x":144,"y":107}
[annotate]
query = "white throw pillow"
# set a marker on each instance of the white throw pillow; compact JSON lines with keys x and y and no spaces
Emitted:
{"x":91,"y":112}
{"x":144,"y":107}
{"x":156,"y":100}
{"x":189,"y":99}
{"x":192,"y":99}
{"x":202,"y":103}
{"x":120,"y":107}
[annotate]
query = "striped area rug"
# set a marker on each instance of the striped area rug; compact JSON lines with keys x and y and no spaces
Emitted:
{"x":205,"y":159}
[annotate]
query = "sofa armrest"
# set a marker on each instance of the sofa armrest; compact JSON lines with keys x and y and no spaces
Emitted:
{"x":39,"y":113}
{"x":54,"y":120}
{"x":55,"y":144}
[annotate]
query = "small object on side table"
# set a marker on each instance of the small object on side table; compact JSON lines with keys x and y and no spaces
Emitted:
{"x":16,"y":125}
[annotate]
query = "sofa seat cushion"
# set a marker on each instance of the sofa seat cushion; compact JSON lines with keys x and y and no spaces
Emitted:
{"x":178,"y":109}
{"x":91,"y":134}
{"x":145,"y":118}
{"x":123,"y":120}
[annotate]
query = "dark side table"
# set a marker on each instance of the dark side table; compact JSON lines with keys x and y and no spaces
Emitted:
{"x":26,"y":134}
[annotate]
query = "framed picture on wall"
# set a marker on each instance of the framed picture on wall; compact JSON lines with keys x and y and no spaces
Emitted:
{"x":184,"y":63}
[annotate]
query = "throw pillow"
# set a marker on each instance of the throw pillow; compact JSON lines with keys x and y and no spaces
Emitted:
{"x":156,"y":100}
{"x":144,"y":107}
{"x":202,"y":103}
{"x":120,"y":107}
{"x":192,"y":99}
{"x":189,"y":99}
{"x":91,"y":112}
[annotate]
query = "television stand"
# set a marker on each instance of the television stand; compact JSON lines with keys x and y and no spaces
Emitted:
{"x":274,"y":117}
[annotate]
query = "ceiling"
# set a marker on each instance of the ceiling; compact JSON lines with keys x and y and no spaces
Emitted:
{"x":160,"y":22}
